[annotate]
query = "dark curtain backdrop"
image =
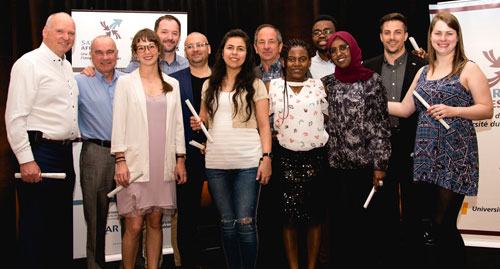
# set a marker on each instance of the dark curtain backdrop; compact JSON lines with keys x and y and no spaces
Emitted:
{"x":22,"y":22}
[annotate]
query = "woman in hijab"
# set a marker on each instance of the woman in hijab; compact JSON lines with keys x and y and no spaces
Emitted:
{"x":358,"y":146}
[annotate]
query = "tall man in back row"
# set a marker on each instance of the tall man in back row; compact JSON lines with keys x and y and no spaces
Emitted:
{"x":168,"y":29}
{"x":324,"y":26}
{"x":42,"y":121}
{"x":397,"y":68}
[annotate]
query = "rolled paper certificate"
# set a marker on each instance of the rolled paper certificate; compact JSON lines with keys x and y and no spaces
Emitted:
{"x":426,"y":105}
{"x":370,"y":196}
{"x":193,"y":111}
{"x":414,"y":43}
{"x":119,"y":188}
{"x":196,"y":144}
{"x":46,"y":175}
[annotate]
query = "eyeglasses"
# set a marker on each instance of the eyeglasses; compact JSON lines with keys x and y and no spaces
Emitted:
{"x":198,"y":45}
{"x":342,"y":49}
{"x":326,"y":31}
{"x":150,"y":47}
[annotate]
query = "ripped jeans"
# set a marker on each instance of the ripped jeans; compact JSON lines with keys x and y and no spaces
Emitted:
{"x":235,"y":193}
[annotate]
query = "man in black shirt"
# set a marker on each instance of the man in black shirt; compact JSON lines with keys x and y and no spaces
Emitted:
{"x":191,"y":79}
{"x":397,"y":68}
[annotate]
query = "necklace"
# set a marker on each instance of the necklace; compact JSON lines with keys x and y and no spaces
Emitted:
{"x":296,"y":84}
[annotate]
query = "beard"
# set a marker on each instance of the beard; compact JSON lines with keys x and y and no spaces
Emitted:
{"x":170,"y":50}
{"x":322,"y":50}
{"x":395,"y":50}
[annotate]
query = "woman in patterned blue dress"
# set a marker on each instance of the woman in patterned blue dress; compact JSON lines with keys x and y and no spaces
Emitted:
{"x":458,"y":92}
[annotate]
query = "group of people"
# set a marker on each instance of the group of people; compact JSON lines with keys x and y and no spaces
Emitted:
{"x":324,"y":129}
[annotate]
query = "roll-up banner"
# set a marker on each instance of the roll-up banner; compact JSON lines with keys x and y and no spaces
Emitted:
{"x":479,"y":219}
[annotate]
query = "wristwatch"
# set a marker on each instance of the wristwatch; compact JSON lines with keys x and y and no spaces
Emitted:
{"x":267,"y":154}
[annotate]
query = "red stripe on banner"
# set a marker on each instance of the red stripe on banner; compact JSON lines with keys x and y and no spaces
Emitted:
{"x":491,"y":233}
{"x":469,"y":8}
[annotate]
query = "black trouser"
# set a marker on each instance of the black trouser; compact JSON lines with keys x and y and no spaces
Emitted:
{"x":352,"y":231}
{"x":189,"y":209}
{"x":46,"y":211}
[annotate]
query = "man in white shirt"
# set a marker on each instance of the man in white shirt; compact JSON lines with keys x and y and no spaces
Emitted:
{"x":41,"y":119}
{"x":323,"y":27}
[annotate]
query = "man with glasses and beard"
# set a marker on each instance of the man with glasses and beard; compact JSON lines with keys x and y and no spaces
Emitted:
{"x":197,"y":49}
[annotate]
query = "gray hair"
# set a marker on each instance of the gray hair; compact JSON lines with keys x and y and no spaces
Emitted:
{"x":278,"y":33}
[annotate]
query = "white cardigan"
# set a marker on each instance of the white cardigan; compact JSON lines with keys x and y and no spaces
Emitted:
{"x":130,"y":126}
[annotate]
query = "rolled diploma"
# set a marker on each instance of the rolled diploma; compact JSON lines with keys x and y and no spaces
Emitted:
{"x":119,"y":188}
{"x":196,"y":144}
{"x":426,"y":105}
{"x":414,"y":43}
{"x":46,"y":175}
{"x":193,"y":111}
{"x":370,"y":196}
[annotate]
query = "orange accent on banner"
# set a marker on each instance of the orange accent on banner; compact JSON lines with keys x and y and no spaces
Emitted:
{"x":464,"y":208}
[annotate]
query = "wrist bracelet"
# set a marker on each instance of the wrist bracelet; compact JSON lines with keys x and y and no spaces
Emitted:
{"x":118,"y":161}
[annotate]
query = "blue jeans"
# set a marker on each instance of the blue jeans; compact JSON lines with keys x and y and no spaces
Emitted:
{"x":235,"y":194}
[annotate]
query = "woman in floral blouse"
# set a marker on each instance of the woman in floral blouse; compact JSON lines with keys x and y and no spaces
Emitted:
{"x":358,"y":147}
{"x":299,"y":108}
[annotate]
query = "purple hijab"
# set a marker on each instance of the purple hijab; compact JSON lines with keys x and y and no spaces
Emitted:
{"x":355,"y":71}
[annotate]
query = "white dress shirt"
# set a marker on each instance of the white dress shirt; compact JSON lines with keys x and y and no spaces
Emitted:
{"x":43,"y":96}
{"x":320,"y":68}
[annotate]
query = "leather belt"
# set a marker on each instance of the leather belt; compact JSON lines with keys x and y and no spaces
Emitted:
{"x":102,"y":143}
{"x":64,"y":142}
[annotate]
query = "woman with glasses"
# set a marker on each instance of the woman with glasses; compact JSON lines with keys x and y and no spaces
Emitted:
{"x":148,"y":142}
{"x":235,"y":109}
{"x":299,"y":107}
{"x":358,"y":147}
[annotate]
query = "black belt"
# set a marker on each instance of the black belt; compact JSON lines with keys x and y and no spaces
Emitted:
{"x":64,"y":142}
{"x":102,"y":143}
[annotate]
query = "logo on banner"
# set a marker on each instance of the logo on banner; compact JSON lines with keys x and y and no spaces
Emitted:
{"x":111,"y":30}
{"x":495,"y":93}
{"x":495,"y":62}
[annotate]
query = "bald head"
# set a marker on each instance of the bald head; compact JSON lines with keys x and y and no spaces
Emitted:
{"x":59,"y":33}
{"x":104,"y":54}
{"x":197,"y":49}
{"x":102,"y":39}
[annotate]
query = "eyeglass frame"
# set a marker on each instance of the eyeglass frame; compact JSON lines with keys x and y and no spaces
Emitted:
{"x":325,"y":31}
{"x":342,"y":49}
{"x":150,"y":47}
{"x":198,"y":45}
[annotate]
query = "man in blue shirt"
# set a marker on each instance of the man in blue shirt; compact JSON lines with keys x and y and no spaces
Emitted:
{"x":168,"y":29}
{"x":97,"y":166}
